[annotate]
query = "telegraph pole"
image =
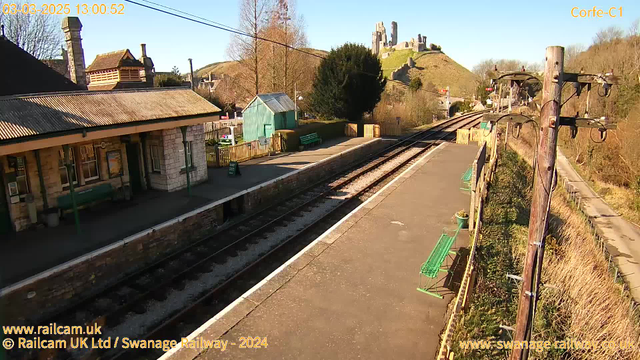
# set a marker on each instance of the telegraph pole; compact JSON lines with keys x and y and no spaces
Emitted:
{"x":541,"y":198}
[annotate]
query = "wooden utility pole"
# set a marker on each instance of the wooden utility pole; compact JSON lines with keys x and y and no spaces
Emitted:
{"x":541,"y":198}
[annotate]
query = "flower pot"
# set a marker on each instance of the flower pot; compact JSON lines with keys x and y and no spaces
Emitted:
{"x":462,"y":221}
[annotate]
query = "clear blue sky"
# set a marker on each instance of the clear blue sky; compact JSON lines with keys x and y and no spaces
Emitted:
{"x":468,"y":31}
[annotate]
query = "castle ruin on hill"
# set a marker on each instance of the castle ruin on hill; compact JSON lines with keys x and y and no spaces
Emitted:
{"x":380,"y":41}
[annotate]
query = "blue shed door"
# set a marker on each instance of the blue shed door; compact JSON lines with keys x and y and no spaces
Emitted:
{"x":268,"y":130}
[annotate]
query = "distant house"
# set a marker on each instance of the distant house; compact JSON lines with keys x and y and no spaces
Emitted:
{"x":267,"y":113}
{"x":56,"y":138}
{"x":120,"y":70}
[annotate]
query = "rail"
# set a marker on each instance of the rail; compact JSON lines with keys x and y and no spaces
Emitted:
{"x":196,"y":254}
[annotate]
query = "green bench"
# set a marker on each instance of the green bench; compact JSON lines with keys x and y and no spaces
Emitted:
{"x":466,"y":179}
{"x":86,"y":196}
{"x":433,"y":266}
{"x":310,"y":139}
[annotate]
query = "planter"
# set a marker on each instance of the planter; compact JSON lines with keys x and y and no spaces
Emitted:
{"x":462,"y":221}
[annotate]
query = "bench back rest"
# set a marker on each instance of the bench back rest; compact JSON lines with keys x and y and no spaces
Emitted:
{"x":84,"y":196}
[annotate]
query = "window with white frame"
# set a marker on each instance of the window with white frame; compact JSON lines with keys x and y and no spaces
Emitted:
{"x":189,"y":156}
{"x":156,"y":156}
{"x":64,"y":174}
{"x":89,"y":162}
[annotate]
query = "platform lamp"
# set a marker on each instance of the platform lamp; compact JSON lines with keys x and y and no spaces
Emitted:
{"x":295,"y":101}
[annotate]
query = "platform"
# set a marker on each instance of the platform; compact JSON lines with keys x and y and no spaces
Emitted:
{"x":352,"y":292}
{"x":30,"y":252}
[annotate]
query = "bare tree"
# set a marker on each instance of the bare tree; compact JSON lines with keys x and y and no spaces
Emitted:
{"x":285,"y":67}
{"x":634,"y":29}
{"x":38,"y":34}
{"x":484,"y":68}
{"x":254,"y":14}
{"x":608,"y":34}
{"x":571,"y":54}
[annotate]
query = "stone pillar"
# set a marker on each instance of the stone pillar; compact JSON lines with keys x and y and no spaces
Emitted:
{"x":71,"y":26}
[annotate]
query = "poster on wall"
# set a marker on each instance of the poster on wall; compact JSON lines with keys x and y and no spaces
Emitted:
{"x":114,"y":162}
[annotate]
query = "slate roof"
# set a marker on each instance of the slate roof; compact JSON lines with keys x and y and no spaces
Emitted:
{"x":276,"y":102}
{"x":38,"y":114}
{"x":21,"y":73}
{"x":113,"y":60}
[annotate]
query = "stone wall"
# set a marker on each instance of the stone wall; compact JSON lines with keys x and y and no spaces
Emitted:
{"x":172,"y":175}
{"x":79,"y":278}
{"x":51,"y":176}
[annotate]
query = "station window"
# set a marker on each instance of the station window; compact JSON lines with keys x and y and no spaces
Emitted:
{"x":189,"y":156}
{"x":64,"y":174}
{"x":156,"y":155}
{"x":89,"y":162}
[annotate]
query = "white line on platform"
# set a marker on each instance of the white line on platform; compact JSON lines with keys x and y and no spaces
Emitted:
{"x":120,"y":243}
{"x":257,"y":286}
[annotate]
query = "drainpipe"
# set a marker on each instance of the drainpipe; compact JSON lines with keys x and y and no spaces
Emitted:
{"x":143,"y":138}
{"x":43,"y":189}
{"x":186,"y":162}
{"x":70,"y":173}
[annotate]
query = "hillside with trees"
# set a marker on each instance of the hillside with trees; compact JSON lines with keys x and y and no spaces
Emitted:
{"x":612,"y":167}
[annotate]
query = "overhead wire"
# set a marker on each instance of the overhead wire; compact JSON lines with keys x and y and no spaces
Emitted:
{"x":203,"y":21}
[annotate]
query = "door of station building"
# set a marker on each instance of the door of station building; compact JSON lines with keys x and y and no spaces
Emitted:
{"x":5,"y":218}
{"x":133,"y":160}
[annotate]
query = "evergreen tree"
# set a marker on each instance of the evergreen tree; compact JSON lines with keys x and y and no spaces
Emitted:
{"x":348,"y":83}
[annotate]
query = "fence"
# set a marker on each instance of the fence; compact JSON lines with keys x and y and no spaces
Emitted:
{"x":221,"y":156}
{"x":215,"y":130}
{"x":481,"y":176}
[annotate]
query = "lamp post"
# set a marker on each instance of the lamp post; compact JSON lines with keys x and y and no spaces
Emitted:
{"x":295,"y":101}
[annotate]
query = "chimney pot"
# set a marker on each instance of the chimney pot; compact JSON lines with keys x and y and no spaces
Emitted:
{"x":144,"y":49}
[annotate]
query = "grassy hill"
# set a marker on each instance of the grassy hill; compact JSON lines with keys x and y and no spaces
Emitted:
{"x":231,"y":68}
{"x":434,"y":67}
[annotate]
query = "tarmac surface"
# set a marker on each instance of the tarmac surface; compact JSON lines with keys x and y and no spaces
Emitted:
{"x":622,"y":236}
{"x":30,"y":252}
{"x":352,"y":292}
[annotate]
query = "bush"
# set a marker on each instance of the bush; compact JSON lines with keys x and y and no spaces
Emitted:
{"x":415,"y":84}
{"x":325,"y":130}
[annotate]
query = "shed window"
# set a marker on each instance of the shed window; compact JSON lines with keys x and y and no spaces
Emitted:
{"x":64,"y":174}
{"x":89,"y":162}
{"x":156,"y":155}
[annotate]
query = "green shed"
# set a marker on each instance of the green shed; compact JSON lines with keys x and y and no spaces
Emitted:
{"x":267,"y":113}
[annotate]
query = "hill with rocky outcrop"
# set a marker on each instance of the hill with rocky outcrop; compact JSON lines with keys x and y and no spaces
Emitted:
{"x":432,"y":67}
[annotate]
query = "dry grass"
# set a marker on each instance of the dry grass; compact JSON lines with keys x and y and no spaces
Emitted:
{"x":588,"y":303}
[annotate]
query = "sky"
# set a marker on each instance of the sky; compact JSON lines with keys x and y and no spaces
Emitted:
{"x":468,"y":31}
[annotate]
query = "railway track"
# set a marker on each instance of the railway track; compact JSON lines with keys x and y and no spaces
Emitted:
{"x":170,"y":298}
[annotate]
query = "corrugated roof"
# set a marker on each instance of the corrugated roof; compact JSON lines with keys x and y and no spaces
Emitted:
{"x":37,"y":114}
{"x":113,"y":60}
{"x":276,"y":102}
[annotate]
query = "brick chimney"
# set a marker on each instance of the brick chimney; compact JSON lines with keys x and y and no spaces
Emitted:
{"x":149,"y":72}
{"x":71,"y":26}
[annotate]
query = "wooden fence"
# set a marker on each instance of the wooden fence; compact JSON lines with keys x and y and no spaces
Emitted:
{"x":221,"y":156}
{"x":215,"y":130}
{"x":481,"y":176}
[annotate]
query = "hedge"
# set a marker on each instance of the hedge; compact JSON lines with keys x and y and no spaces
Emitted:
{"x":325,"y":131}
